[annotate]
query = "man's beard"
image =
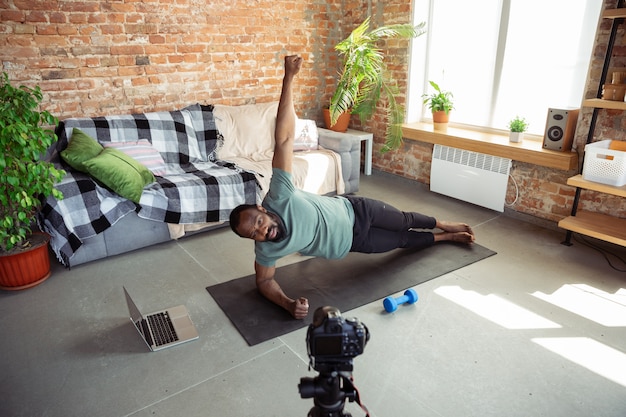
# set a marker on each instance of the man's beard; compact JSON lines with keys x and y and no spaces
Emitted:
{"x":278,"y":226}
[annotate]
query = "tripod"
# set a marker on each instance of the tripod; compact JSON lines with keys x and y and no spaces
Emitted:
{"x":329,"y":392}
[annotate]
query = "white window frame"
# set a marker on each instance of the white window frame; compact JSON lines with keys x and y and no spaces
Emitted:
{"x":419,"y":65}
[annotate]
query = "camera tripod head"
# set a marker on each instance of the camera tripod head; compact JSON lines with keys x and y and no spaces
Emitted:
{"x":329,"y":392}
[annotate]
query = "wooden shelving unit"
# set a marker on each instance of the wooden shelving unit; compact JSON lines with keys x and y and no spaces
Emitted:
{"x":597,"y":225}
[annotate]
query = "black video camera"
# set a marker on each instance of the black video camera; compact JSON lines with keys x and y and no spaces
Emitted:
{"x":333,"y":341}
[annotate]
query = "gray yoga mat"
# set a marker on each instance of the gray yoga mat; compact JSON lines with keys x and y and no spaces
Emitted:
{"x":347,"y":283}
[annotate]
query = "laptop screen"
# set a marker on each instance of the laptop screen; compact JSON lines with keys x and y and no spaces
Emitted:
{"x":134,"y":312}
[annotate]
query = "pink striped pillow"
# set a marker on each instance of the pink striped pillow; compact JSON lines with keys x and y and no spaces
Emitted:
{"x":143,"y":152}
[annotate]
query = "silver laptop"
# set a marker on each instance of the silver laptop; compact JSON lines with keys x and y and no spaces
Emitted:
{"x":162,"y":329}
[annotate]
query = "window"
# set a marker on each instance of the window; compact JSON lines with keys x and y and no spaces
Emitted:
{"x":502,"y":58}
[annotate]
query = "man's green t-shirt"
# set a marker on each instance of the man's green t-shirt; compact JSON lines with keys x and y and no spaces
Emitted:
{"x":315,"y":225}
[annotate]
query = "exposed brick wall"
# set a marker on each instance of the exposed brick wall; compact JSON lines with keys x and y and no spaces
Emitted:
{"x":119,"y":56}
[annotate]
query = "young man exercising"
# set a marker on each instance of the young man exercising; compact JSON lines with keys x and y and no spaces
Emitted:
{"x":291,"y":220}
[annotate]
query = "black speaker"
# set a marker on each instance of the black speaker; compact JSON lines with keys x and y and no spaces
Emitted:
{"x":560,"y":128}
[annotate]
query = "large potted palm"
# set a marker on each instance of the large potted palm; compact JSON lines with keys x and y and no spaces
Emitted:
{"x":25,"y":135}
{"x":364,"y":78}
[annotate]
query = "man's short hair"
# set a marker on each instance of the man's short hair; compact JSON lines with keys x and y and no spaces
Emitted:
{"x":235,"y":216}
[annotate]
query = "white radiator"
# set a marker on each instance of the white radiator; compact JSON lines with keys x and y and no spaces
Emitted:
{"x":470,"y":176}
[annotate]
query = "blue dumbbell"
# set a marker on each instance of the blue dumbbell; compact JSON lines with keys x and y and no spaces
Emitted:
{"x":391,"y":304}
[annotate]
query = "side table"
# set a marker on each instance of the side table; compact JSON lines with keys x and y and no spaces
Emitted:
{"x":366,"y":137}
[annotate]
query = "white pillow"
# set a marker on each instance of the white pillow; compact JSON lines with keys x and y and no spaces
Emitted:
{"x":248,"y":130}
{"x":307,"y":136}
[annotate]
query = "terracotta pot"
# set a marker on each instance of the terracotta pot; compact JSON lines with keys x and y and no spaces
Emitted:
{"x":342,"y":122}
{"x":25,"y":269}
{"x":441,"y":117}
{"x":440,"y":120}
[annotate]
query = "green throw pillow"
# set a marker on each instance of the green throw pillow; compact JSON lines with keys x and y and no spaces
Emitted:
{"x":80,"y":148}
{"x":120,"y":173}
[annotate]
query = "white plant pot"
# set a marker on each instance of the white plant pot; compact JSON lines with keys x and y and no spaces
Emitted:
{"x":516,"y":136}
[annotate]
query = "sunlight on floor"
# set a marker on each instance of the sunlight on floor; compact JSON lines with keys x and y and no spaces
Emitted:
{"x":583,"y":300}
{"x":496,"y":309}
{"x":593,"y":355}
{"x":591,"y":303}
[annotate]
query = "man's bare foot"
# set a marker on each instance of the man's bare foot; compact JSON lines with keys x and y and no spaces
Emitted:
{"x":455,"y":232}
{"x":454,"y":227}
{"x":463,"y":237}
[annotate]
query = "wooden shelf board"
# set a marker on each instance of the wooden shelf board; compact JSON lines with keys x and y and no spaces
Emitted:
{"x":601,"y":226}
{"x":579,"y":181}
{"x":604,"y":104}
{"x":614,"y":13}
{"x":530,"y":151}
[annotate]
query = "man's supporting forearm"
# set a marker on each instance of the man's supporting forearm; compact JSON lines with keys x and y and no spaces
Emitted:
{"x":270,"y":289}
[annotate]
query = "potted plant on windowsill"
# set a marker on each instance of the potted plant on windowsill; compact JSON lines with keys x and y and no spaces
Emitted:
{"x":517,"y":126}
{"x":24,"y":180}
{"x":440,"y":104}
{"x":364,"y":78}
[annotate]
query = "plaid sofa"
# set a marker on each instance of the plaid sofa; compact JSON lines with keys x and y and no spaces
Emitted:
{"x":195,"y":190}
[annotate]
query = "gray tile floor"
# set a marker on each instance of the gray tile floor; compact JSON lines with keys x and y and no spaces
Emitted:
{"x":537,"y":330}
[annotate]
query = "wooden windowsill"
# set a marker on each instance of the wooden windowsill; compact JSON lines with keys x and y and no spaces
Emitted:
{"x":530,"y":151}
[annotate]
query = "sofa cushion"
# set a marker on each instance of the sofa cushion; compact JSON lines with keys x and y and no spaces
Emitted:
{"x":143,"y":152}
{"x":120,"y":173}
{"x":306,"y":136}
{"x":248,"y":131}
{"x":81,"y":147}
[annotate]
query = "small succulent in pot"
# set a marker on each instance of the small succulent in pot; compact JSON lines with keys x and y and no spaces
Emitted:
{"x":517,"y":126}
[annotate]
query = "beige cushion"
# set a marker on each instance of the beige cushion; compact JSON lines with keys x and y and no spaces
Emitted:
{"x":318,"y":171}
{"x":248,"y":130}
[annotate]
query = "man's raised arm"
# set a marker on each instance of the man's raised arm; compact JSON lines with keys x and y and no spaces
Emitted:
{"x":286,"y":117}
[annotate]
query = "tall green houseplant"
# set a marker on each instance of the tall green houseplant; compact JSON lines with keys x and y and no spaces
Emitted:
{"x":364,"y":77}
{"x":25,"y":135}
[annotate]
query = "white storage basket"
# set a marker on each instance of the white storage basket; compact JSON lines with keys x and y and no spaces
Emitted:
{"x":604,"y":165}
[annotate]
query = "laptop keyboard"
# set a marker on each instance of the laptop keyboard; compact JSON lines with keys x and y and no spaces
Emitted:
{"x":162,"y":328}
